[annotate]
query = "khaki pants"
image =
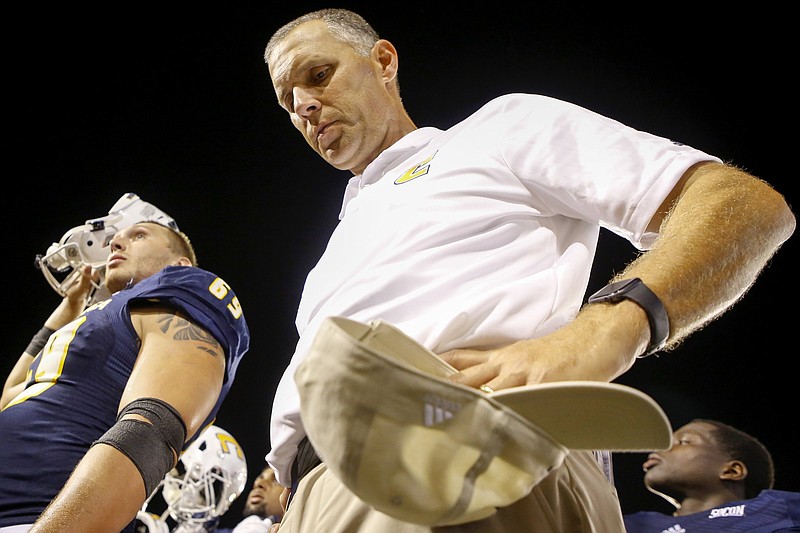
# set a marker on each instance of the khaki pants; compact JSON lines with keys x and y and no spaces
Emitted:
{"x":575,"y":498}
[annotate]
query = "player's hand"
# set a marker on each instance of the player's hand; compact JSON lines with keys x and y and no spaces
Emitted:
{"x":78,"y":291}
{"x":75,"y":299}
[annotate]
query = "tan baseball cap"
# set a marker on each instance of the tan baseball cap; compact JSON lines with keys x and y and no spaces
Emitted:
{"x":379,"y":411}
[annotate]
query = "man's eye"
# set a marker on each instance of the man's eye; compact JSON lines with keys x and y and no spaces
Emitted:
{"x":319,"y":74}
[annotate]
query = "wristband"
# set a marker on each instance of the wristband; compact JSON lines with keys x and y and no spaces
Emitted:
{"x":39,"y":340}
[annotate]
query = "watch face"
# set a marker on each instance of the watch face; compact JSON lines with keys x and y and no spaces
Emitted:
{"x":613,"y":290}
{"x":620,"y":286}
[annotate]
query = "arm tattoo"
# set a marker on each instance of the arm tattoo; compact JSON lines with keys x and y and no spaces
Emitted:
{"x":184,"y":330}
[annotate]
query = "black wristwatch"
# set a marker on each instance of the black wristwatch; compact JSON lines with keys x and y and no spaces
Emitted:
{"x":635,"y":290}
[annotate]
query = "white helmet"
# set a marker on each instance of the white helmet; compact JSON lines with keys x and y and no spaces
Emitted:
{"x":211,"y":473}
{"x":89,"y":244}
{"x":149,"y":523}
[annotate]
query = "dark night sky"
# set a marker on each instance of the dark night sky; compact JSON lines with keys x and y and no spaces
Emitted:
{"x":176,"y":105}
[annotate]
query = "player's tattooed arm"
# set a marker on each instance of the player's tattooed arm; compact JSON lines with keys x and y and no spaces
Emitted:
{"x":174,"y":326}
{"x":182,"y":329}
{"x":179,"y":362}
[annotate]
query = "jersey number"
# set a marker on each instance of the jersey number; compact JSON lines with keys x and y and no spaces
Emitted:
{"x":220,"y":289}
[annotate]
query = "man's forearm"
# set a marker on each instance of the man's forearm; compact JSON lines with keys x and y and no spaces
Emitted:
{"x":722,"y":231}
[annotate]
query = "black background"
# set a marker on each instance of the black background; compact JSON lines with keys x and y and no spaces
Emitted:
{"x":175,"y":104}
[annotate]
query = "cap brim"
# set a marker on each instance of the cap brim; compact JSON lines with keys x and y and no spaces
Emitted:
{"x":592,"y":415}
{"x":581,"y":415}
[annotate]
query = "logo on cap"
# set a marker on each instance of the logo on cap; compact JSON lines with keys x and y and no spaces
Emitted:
{"x":437,"y":409}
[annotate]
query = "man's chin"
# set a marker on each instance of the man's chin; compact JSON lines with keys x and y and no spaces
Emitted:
{"x":334,"y":157}
{"x":333,"y":161}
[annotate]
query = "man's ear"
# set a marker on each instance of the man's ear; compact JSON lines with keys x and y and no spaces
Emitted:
{"x":184,"y":261}
{"x":385,"y":54}
{"x":733,"y":471}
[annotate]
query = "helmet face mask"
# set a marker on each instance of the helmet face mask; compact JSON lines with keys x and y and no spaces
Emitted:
{"x":195,"y":496}
{"x":211,"y":473}
{"x":89,"y":244}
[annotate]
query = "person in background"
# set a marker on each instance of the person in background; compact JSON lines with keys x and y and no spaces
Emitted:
{"x":478,"y":242}
{"x":263,"y":507}
{"x":719,"y":478}
{"x":90,"y":425}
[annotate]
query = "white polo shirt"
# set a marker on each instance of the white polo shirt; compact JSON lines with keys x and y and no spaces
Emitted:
{"x":482,"y":234}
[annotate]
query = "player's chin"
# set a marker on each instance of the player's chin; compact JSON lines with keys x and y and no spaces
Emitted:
{"x":115,"y":280}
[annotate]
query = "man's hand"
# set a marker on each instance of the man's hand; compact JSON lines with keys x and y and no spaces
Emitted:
{"x":600,"y":344}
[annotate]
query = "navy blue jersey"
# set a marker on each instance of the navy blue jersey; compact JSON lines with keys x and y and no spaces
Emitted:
{"x":770,"y":512}
{"x":75,"y":384}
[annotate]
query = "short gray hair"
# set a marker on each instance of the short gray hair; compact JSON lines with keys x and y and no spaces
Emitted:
{"x":345,"y":26}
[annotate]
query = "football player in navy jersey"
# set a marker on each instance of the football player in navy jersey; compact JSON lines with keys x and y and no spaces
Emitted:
{"x":91,"y":425}
{"x":719,"y":478}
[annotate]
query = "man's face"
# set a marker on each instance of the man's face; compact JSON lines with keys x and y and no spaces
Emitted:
{"x":137,"y":252}
{"x":264,"y":498}
{"x":336,"y":98}
{"x":694,"y":461}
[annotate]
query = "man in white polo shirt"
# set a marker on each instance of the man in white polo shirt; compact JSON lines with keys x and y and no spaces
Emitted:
{"x":477,"y":241}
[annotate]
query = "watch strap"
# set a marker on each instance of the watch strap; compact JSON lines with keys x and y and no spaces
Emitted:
{"x":635,"y":290}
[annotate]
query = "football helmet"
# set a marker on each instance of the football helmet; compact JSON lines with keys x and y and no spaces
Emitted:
{"x":89,"y":244}
{"x":211,"y":473}
{"x":149,"y":523}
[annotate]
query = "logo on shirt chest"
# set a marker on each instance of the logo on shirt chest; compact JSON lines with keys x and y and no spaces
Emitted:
{"x":415,"y":172}
{"x":734,"y":510}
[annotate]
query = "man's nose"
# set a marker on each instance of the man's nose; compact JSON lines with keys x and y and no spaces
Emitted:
{"x":305,"y":102}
